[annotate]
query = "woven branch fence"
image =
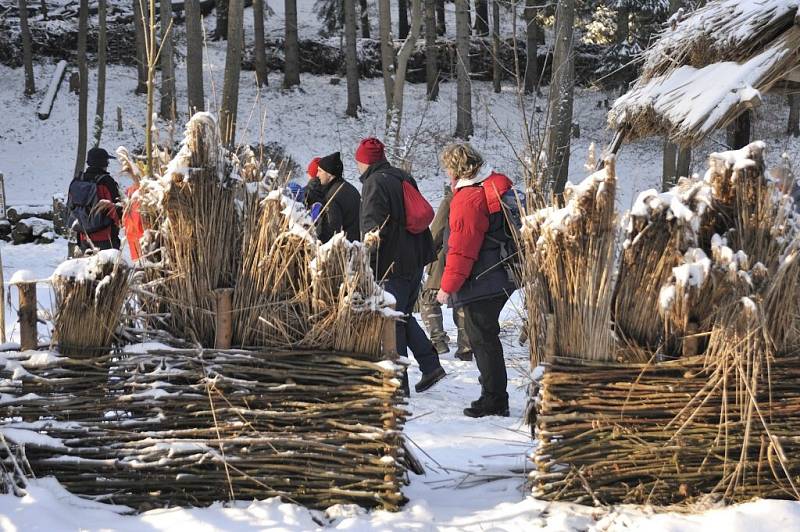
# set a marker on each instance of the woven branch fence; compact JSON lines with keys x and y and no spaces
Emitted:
{"x":188,"y":427}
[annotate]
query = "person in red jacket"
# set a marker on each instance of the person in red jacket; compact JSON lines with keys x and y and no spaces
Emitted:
{"x":132,"y":218}
{"x":108,"y":202}
{"x":474,"y":277}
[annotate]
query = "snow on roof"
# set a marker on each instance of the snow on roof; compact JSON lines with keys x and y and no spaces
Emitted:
{"x":715,"y":64}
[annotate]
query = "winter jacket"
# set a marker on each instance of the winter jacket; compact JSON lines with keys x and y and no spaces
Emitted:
{"x":438,"y":231}
{"x":399,"y":253}
{"x":132,"y":221}
{"x":342,"y":204}
{"x":473,"y":268}
{"x":106,"y":189}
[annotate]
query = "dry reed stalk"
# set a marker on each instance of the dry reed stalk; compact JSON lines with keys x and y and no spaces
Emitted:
{"x":660,"y":229}
{"x":570,"y":256}
{"x":89,"y":294}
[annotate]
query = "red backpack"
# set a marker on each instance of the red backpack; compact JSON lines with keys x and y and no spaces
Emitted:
{"x":419,"y":213}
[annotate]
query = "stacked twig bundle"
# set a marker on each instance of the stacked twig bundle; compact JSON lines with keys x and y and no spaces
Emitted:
{"x":569,"y":271}
{"x":708,"y":273}
{"x":194,"y":427}
{"x":89,"y":293}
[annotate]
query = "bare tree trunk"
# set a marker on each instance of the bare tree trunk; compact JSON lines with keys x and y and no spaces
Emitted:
{"x":351,"y":60}
{"x":531,"y":46}
{"x":482,"y":17}
{"x":497,"y":73}
{"x":738,"y":133}
{"x":291,"y":69}
{"x":151,"y":53}
{"x":233,"y":66}
{"x":387,"y":52}
{"x":464,"y":128}
{"x":793,"y":128}
{"x":102,"y":44}
{"x":402,"y":66}
{"x":684,"y":161}
{"x":623,"y":14}
{"x":221,"y":31}
{"x":167,"y":62}
{"x":139,"y":16}
{"x":441,"y":24}
{"x":364,"y":8}
{"x":260,"y":51}
{"x":431,"y":51}
{"x":27,"y":49}
{"x":83,"y":72}
{"x":402,"y":18}
{"x":559,"y":124}
{"x":194,"y":57}
{"x":669,"y":170}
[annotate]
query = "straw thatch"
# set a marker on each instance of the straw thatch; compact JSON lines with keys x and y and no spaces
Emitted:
{"x":706,"y":299}
{"x":707,"y":69}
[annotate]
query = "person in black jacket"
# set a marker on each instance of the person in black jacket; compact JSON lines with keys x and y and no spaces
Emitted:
{"x":108,"y":202}
{"x":400,"y":256}
{"x":341,"y":203}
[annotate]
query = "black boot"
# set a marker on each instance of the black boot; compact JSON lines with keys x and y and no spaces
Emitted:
{"x":404,"y":386}
{"x":464,"y":355}
{"x":485,"y":408}
{"x":430,"y":379}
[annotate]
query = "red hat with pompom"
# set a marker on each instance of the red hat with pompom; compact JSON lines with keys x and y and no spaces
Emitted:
{"x":370,"y":151}
{"x":313,"y":167}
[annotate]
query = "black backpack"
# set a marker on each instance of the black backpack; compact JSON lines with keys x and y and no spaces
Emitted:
{"x":81,"y":199}
{"x":513,"y":204}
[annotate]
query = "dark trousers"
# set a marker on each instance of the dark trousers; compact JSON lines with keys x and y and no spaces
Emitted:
{"x":409,"y":333}
{"x":482,"y":322}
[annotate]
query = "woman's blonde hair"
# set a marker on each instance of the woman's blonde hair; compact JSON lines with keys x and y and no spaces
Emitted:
{"x":462,"y":159}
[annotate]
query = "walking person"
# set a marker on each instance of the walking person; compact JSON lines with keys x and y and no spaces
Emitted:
{"x":94,"y":204}
{"x":431,"y":309}
{"x":474,"y":277}
{"x":389,"y":202}
{"x":341,"y":202}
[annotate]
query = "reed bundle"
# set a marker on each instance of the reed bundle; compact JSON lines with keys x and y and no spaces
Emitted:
{"x":189,"y":427}
{"x":569,"y":274}
{"x":89,"y":294}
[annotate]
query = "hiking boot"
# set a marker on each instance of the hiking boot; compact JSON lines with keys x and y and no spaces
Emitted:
{"x":441,"y":347}
{"x":466,"y":356}
{"x":430,"y":379}
{"x":404,"y":385}
{"x":484,"y":408}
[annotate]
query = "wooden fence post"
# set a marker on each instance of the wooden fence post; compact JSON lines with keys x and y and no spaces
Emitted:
{"x":28,"y":337}
{"x":2,"y":302}
{"x":119,"y":118}
{"x":224,"y":318}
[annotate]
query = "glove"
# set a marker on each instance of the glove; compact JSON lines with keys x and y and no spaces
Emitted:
{"x":295,"y":191}
{"x":315,"y":210}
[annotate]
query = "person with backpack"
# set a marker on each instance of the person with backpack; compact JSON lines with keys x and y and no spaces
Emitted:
{"x":341,"y":202}
{"x":475,"y":278}
{"x":431,"y":310}
{"x":94,"y":205}
{"x":393,"y":209}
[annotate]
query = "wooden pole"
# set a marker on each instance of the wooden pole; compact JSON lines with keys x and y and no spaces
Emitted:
{"x":224,"y":320}
{"x":28,"y":338}
{"x":119,"y":118}
{"x":389,"y":339}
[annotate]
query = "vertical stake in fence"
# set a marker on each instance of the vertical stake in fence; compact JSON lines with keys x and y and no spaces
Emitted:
{"x":389,"y":350}
{"x":224,"y":319}
{"x":119,"y":118}
{"x":28,"y":337}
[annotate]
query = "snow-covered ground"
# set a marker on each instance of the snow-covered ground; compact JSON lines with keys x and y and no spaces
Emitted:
{"x":476,"y":469}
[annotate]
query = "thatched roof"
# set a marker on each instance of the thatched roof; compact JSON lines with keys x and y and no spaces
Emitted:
{"x":708,"y":68}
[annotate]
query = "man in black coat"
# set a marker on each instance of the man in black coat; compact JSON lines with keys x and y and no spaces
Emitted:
{"x":400,"y":256}
{"x":341,"y":203}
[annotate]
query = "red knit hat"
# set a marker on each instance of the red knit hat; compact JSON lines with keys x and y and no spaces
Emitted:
{"x":313,"y":167}
{"x":370,"y":151}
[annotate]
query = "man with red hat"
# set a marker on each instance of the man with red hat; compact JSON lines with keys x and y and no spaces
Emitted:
{"x":400,"y":255}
